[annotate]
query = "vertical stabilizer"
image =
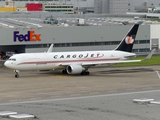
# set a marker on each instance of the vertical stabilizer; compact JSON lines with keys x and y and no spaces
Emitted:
{"x":128,"y":41}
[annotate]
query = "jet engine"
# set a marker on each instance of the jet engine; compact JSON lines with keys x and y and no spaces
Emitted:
{"x":74,"y":69}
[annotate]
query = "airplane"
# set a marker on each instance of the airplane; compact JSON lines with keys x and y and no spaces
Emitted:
{"x":77,"y":62}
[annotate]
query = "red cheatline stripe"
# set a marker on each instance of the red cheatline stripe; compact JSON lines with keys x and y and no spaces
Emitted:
{"x":51,"y":62}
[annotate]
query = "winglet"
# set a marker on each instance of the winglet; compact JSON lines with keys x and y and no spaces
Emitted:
{"x":125,"y":22}
{"x":150,"y":54}
{"x":50,"y":48}
{"x":139,"y":22}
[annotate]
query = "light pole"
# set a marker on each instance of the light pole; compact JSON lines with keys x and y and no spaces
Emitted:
{"x":102,"y":42}
{"x":54,"y":44}
{"x":146,"y":43}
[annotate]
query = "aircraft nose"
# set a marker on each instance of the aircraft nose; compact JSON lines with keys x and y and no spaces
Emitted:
{"x":6,"y":64}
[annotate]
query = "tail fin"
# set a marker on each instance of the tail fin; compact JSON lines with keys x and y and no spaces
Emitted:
{"x":127,"y":43}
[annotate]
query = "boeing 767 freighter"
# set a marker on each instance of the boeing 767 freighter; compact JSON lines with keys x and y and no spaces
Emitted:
{"x":77,"y":62}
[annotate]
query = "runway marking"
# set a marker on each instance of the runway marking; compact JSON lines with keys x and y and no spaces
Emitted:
{"x":83,"y":97}
{"x":56,"y":96}
{"x":94,"y":93}
{"x":158,"y":74}
{"x":34,"y":98}
{"x":75,"y":94}
{"x":85,"y":91}
{"x":5,"y":79}
{"x":147,"y":88}
{"x":13,"y":100}
{"x":131,"y":89}
{"x":112,"y":91}
{"x":61,"y":92}
{"x":51,"y":93}
{"x":62,"y":76}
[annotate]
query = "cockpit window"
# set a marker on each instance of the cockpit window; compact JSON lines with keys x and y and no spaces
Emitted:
{"x":12,"y":59}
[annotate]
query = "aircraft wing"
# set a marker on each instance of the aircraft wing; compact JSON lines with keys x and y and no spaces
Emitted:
{"x":108,"y":62}
{"x":150,"y":54}
{"x":99,"y":62}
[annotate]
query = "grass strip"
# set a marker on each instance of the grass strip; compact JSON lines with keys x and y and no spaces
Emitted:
{"x":155,"y":60}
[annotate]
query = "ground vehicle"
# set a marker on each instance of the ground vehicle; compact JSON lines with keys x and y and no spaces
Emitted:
{"x":1,"y":55}
{"x":50,"y":20}
{"x":80,"y":22}
{"x":7,"y":55}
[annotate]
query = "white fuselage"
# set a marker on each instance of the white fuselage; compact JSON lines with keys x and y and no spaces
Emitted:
{"x":59,"y":60}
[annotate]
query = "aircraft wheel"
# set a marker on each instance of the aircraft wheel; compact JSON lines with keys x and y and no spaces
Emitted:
{"x":87,"y":73}
{"x":64,"y":71}
{"x":16,"y":75}
{"x":82,"y":73}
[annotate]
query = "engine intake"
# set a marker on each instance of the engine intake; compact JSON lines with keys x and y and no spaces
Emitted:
{"x":74,"y":69}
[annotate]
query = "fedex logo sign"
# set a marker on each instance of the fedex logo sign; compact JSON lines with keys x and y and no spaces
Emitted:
{"x":30,"y":36}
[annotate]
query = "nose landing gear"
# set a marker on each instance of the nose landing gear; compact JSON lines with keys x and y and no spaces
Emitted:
{"x":16,"y":73}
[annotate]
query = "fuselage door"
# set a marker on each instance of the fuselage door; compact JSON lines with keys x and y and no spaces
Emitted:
{"x":24,"y":59}
{"x":27,"y":63}
{"x":41,"y":62}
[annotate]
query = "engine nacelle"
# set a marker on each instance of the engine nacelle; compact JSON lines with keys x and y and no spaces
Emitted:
{"x":74,"y":69}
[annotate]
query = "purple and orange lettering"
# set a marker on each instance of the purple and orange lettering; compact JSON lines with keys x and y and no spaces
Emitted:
{"x":31,"y":36}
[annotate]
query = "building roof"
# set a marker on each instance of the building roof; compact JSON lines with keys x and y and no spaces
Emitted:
{"x":28,"y":20}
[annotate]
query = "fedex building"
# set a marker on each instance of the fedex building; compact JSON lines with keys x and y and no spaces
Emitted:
{"x":23,"y":35}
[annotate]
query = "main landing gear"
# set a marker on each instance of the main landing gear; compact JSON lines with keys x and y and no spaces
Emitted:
{"x":85,"y":73}
{"x":64,"y":71}
{"x":82,"y":73}
{"x":16,"y":73}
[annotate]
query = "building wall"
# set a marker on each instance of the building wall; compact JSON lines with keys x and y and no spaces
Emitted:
{"x":15,"y":48}
{"x":105,"y":6}
{"x":133,"y":3}
{"x":118,"y":6}
{"x":89,"y":3}
{"x":73,"y":34}
{"x":98,"y":6}
{"x":110,"y":6}
{"x":76,"y":34}
{"x":34,"y":7}
{"x":82,"y":3}
{"x":8,"y":9}
{"x":155,"y":36}
{"x":67,"y":8}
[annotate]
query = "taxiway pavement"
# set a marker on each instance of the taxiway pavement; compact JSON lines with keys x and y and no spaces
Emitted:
{"x":72,"y":97}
